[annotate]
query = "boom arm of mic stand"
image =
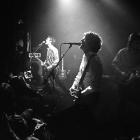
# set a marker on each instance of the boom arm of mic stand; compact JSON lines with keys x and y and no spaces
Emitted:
{"x":61,"y":57}
{"x":37,"y":48}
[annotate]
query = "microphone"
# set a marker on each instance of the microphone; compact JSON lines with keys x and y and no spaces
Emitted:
{"x":41,"y":43}
{"x":73,"y":43}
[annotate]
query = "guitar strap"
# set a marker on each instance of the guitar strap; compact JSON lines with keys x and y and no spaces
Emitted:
{"x":85,"y":70}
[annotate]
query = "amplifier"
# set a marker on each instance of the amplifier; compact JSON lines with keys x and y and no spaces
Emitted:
{"x":36,"y":55}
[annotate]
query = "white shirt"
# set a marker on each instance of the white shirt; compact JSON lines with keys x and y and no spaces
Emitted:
{"x":93,"y":73}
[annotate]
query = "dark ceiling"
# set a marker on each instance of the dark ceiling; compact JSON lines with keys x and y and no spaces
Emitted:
{"x":29,"y":9}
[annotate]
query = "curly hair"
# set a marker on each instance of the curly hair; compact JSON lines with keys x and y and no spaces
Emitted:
{"x":133,"y":37}
{"x":93,"y":41}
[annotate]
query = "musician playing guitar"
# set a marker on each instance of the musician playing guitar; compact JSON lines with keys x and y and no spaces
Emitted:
{"x":45,"y":72}
{"x":87,"y":81}
{"x":127,"y":61}
{"x":52,"y":56}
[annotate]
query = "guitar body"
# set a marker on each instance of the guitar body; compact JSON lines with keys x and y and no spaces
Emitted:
{"x":85,"y":102}
{"x":43,"y":71}
{"x":62,"y":74}
{"x":129,"y":76}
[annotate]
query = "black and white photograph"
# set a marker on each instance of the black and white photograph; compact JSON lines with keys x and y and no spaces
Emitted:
{"x":70,"y":70}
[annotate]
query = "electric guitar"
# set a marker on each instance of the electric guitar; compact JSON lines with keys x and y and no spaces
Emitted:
{"x":132,"y":74}
{"x":62,"y":73}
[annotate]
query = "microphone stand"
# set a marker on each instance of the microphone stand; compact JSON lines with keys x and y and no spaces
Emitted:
{"x":38,"y":48}
{"x":61,"y":57}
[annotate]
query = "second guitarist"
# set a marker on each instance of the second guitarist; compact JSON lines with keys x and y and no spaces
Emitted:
{"x":44,"y":72}
{"x":52,"y":56}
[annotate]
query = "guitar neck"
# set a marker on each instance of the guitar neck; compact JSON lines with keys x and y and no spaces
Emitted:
{"x":62,"y":66}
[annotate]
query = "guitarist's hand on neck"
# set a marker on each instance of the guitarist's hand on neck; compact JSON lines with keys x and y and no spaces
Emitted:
{"x":87,"y":90}
{"x":75,"y":92}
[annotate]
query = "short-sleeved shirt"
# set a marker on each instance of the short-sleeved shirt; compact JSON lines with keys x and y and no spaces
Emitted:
{"x":126,"y":60}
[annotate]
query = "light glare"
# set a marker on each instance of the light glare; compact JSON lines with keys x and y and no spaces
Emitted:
{"x":66,"y":1}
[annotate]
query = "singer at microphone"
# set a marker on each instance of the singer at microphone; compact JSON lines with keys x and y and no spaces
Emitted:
{"x":73,"y":43}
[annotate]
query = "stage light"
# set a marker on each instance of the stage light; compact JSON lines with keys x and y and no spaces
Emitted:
{"x":66,"y":1}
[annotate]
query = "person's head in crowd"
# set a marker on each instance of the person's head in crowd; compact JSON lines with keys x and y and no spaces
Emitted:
{"x":20,"y":123}
{"x":134,"y":41}
{"x":27,"y":114}
{"x":49,"y":40}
